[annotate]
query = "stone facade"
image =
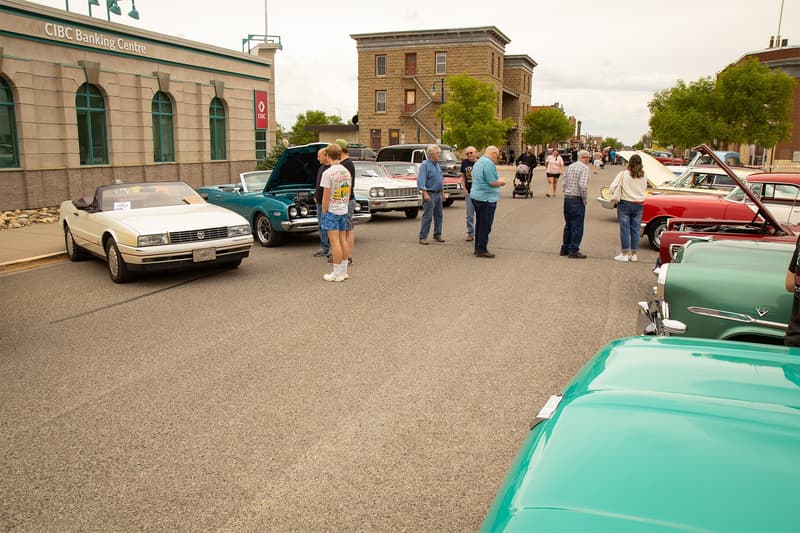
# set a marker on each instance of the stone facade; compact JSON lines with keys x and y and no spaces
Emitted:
{"x":47,"y":54}
{"x":414,"y":91}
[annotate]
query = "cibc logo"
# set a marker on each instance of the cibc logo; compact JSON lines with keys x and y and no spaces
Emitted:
{"x":58,"y":30}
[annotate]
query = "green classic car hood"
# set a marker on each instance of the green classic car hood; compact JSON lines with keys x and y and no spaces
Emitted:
{"x":296,"y":168}
{"x":660,"y":433}
{"x":724,"y":254}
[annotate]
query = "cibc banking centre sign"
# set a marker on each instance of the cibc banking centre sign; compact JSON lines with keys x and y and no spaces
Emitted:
{"x":78,"y":35}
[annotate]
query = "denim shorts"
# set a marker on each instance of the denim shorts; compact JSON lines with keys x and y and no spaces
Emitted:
{"x":333,"y":222}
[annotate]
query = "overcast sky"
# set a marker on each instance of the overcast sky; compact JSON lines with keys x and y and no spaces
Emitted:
{"x":601,"y":60}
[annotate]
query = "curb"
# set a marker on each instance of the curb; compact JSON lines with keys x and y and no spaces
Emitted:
{"x":30,"y":262}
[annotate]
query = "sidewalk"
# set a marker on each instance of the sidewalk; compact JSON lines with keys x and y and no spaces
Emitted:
{"x":30,"y":243}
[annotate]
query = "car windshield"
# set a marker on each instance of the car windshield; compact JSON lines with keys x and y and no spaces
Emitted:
{"x":738,"y":195}
{"x":255,"y":181}
{"x":368,"y":170}
{"x":447,"y":155}
{"x":400,"y":169}
{"x":143,"y":195}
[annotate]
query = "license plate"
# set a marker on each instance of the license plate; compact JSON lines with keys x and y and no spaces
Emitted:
{"x":204,"y":254}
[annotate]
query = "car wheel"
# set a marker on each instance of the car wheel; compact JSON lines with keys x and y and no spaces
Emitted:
{"x":117,"y":268}
{"x":264,"y":232}
{"x":411,"y":212}
{"x":448,"y":202}
{"x":657,"y":227}
{"x":74,"y":252}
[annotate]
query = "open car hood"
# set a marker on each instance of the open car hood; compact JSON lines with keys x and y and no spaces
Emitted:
{"x":761,"y":209}
{"x":655,"y":172}
{"x":296,"y":167}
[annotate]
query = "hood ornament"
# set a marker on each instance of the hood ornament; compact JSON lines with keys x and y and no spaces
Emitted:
{"x":762,"y":311}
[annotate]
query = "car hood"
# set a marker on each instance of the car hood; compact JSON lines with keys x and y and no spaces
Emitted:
{"x":758,"y":256}
{"x":681,"y":199}
{"x":296,"y":168}
{"x":664,"y":433}
{"x":175,"y":218}
{"x":655,"y":172}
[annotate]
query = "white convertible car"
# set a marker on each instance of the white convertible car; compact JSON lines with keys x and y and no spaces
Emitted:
{"x":138,"y":227}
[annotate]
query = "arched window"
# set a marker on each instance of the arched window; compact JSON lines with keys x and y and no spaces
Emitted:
{"x":163,"y":139}
{"x":9,"y":154}
{"x":216,"y":119}
{"x":92,"y":138}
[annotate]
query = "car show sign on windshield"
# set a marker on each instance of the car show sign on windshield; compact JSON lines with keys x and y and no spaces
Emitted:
{"x":261,"y":110}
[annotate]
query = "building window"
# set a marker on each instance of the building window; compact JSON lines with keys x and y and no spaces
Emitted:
{"x":411,"y":65}
{"x":380,"y":101}
{"x":216,"y":120}
{"x":261,"y":144}
{"x":380,"y":65}
{"x":9,"y":153}
{"x":163,"y":137}
{"x":441,"y":62}
{"x":492,"y":63}
{"x":92,"y":138}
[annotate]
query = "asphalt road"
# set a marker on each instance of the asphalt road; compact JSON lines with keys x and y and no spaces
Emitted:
{"x":267,"y":399}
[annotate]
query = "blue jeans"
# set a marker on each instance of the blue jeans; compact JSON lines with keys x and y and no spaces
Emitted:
{"x":323,"y":234}
{"x":574,"y":213}
{"x":629,"y":215}
{"x":431,"y":210}
{"x":484,"y":217}
{"x":470,"y":215}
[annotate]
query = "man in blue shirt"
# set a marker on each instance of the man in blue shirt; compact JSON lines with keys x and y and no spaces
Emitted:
{"x":485,"y":192}
{"x":430,"y":182}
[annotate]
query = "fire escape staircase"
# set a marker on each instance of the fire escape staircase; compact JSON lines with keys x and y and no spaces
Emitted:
{"x":421,"y":108}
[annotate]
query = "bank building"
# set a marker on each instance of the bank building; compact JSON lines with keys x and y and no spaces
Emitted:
{"x":84,"y":101}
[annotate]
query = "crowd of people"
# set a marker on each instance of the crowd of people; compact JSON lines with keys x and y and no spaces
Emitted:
{"x":482,"y":183}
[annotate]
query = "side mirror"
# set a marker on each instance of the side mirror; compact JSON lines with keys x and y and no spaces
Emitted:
{"x":81,"y":204}
{"x":204,"y":196}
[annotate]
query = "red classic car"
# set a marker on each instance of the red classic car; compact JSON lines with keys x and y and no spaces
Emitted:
{"x":769,"y":229}
{"x":452,"y":186}
{"x":666,"y":158}
{"x":779,"y":194}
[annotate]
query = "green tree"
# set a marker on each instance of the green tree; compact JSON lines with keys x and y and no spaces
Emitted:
{"x":612,"y":142}
{"x":469,"y":114}
{"x":754,"y":104}
{"x":684,"y":115}
{"x":298,"y":133}
{"x":546,"y":125}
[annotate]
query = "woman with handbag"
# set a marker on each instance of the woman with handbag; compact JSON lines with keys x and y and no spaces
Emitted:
{"x":628,"y":191}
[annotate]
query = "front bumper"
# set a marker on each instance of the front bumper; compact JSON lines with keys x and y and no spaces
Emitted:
{"x":388,"y":204}
{"x":454,"y":192}
{"x":151,"y":258}
{"x":309,"y":224}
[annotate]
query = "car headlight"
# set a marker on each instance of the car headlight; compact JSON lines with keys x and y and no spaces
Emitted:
{"x":458,"y":186}
{"x":303,"y":211}
{"x":293,"y":212}
{"x":152,"y":240}
{"x":238,"y":231}
{"x":377,"y":192}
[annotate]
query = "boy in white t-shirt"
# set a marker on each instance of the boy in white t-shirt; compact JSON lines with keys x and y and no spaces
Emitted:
{"x":335,"y":183}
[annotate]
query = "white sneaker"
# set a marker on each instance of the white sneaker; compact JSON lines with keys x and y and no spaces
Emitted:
{"x":331,"y":277}
{"x":633,"y":258}
{"x":620,"y":257}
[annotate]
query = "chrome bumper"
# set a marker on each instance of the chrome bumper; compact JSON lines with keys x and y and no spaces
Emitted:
{"x":383,"y":204}
{"x":654,"y":319}
{"x":309,"y":224}
{"x":176,"y":254}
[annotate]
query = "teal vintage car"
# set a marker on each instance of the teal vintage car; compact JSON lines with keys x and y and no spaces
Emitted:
{"x":663,"y":434}
{"x":727,"y":289}
{"x":280,"y":201}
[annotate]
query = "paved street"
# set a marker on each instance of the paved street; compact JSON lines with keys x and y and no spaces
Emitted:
{"x":266,"y":399}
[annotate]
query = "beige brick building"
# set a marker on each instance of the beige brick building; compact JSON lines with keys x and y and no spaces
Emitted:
{"x":84,"y":101}
{"x":402,"y":78}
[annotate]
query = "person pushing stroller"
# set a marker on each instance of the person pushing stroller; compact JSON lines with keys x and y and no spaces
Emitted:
{"x":523,"y":178}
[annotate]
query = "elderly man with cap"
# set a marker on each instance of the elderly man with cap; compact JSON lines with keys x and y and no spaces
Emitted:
{"x":576,"y":183}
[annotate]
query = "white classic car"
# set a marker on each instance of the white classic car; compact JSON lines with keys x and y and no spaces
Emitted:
{"x":378,"y":192}
{"x":153,"y":226}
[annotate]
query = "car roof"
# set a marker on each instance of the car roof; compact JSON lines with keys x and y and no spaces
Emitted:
{"x":663,"y":434}
{"x":774,"y":177}
{"x":416,"y":146}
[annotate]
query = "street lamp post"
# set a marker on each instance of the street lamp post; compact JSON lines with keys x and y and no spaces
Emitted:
{"x":441,"y":120}
{"x":112,"y":6}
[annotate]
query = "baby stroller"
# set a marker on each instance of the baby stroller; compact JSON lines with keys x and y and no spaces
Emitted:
{"x":522,"y":182}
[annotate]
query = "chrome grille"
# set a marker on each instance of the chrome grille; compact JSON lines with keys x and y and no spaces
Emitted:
{"x":195,"y":235}
{"x":402,"y":193}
